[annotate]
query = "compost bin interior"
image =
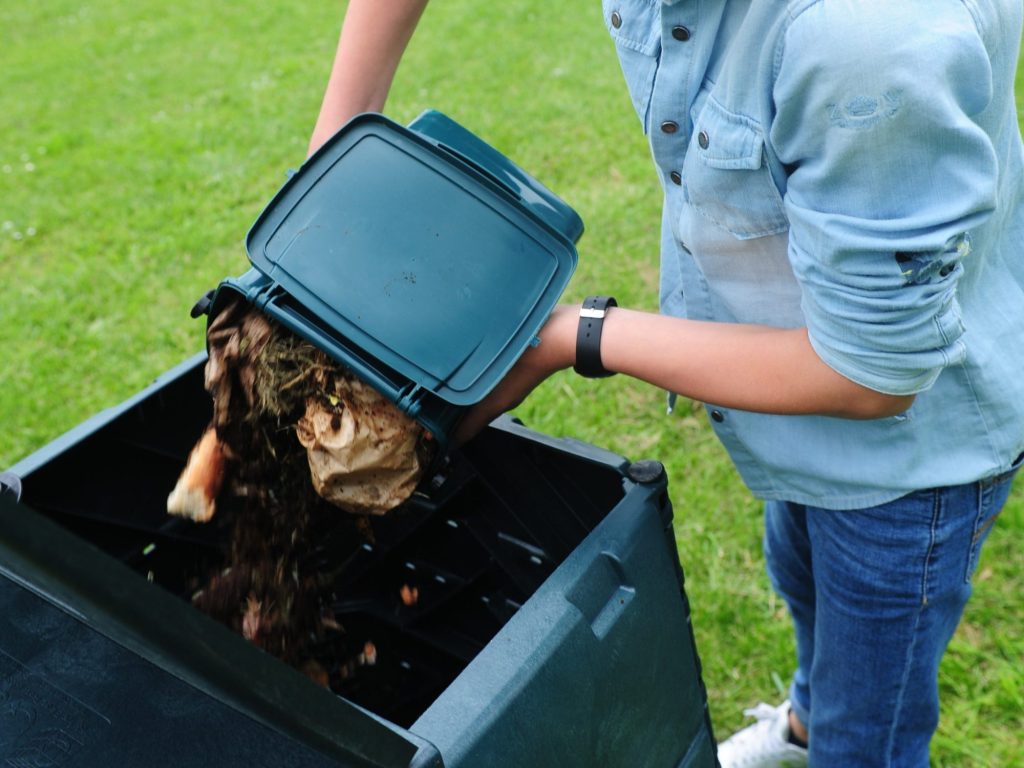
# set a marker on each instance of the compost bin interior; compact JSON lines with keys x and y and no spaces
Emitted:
{"x":475,"y":542}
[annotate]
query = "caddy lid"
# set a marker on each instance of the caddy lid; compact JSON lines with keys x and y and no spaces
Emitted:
{"x":415,"y":254}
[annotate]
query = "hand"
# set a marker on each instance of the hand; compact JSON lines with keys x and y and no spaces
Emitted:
{"x":557,"y":350}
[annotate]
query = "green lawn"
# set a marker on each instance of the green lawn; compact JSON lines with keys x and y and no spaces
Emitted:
{"x":140,"y":140}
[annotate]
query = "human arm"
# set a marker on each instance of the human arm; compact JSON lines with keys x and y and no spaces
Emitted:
{"x":749,"y":367}
{"x":373,"y":38}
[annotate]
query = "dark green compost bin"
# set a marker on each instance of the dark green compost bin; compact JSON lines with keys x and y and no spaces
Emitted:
{"x":552,"y":627}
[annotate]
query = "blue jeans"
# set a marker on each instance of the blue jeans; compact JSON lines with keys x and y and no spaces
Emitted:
{"x":875,"y":595}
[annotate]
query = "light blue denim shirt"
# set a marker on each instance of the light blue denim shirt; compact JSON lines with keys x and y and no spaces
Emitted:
{"x":854,"y":167}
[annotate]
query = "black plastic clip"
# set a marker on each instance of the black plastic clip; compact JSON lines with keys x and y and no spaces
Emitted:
{"x":202,"y":307}
{"x":10,"y":484}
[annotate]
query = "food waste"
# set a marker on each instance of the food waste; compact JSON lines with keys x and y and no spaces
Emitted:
{"x":298,"y":448}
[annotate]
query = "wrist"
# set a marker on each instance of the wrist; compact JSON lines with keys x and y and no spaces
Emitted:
{"x":559,"y":337}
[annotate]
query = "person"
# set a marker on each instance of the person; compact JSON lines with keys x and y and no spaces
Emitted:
{"x":842,"y":284}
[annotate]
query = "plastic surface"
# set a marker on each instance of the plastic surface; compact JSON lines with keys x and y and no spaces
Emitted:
{"x":425,"y":260}
{"x":83,"y":685}
{"x":551,"y":627}
{"x":541,"y":201}
{"x":599,"y":668}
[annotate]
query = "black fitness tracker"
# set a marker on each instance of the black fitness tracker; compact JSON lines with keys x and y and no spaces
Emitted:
{"x":588,"y":337}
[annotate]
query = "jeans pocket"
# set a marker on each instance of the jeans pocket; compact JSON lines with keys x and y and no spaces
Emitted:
{"x":635,"y":27}
{"x":992,"y":494}
{"x":982,"y":525}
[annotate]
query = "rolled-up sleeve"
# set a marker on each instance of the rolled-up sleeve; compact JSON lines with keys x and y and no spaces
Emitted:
{"x":888,"y":172}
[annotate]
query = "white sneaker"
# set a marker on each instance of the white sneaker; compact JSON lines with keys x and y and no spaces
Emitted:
{"x":765,"y":744}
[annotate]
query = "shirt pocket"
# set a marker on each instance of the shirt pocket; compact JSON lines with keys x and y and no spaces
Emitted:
{"x":635,"y":27}
{"x":725,"y":177}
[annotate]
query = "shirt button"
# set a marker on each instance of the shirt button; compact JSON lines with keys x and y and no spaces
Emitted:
{"x":669,"y":127}
{"x":677,"y":177}
{"x":703,"y":139}
{"x":681,"y":34}
{"x":717,"y":416}
{"x":616,"y":19}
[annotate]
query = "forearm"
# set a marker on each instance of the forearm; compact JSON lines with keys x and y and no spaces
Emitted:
{"x":749,"y":367}
{"x":373,"y":38}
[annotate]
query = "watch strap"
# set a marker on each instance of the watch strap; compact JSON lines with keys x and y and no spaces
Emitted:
{"x":588,"y":337}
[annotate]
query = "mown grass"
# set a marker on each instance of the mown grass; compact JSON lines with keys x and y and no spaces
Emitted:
{"x":140,"y":140}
